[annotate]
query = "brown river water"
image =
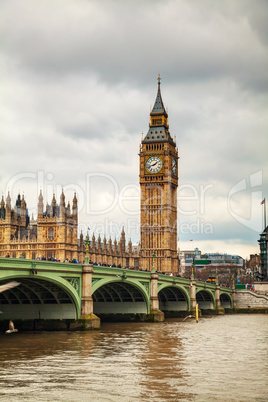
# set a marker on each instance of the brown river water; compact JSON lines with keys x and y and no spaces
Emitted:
{"x":222,"y":358}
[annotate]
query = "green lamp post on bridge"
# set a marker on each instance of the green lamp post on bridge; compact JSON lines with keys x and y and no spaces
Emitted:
{"x":192,"y":275}
{"x":153,"y":255}
{"x":87,"y":244}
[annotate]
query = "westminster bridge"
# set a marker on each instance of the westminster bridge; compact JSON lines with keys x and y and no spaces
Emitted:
{"x":75,"y":295}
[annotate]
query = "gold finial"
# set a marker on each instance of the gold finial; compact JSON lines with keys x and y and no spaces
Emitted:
{"x":159,"y":79}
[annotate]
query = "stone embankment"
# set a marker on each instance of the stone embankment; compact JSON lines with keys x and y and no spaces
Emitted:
{"x":248,"y":299}
{"x":261,"y":288}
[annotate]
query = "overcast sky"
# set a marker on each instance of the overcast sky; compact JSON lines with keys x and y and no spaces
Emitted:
{"x":78,"y":79}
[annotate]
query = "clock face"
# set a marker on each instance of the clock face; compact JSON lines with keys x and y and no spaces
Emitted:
{"x":154,"y":164}
{"x":174,"y":166}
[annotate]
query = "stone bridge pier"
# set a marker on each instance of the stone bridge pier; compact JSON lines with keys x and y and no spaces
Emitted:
{"x":193,"y":294}
{"x":87,"y":320}
{"x":156,"y":314}
{"x":219,"y":308}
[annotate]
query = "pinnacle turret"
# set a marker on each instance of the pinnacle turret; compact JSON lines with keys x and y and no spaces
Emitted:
{"x":40,"y":197}
{"x":53,"y":202}
{"x":2,"y":205}
{"x":93,"y":241}
{"x":105,"y":244}
{"x":99,"y":242}
{"x":40,"y":205}
{"x":74,"y":206}
{"x":110,"y":244}
{"x":23,"y":203}
{"x":2,"y":208}
{"x":62,"y":205}
{"x":68,"y":209}
{"x":62,"y":198}
{"x":8,"y":206}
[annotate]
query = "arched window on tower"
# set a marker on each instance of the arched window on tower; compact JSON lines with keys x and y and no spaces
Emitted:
{"x":51,"y":233}
{"x":69,"y":235}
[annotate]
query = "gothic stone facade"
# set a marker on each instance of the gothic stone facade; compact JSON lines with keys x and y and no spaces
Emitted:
{"x":111,"y":253}
{"x":52,"y":235}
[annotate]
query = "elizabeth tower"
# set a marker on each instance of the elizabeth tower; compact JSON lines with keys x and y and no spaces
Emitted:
{"x":158,"y":184}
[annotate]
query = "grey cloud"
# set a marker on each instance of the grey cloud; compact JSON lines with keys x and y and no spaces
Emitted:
{"x":123,"y":41}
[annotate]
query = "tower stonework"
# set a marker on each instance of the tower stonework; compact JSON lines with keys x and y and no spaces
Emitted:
{"x":158,"y":184}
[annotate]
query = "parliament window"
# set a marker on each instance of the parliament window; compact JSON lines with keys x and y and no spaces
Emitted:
{"x":50,"y":233}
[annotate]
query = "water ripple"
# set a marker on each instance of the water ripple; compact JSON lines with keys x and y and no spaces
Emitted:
{"x":218,"y":359}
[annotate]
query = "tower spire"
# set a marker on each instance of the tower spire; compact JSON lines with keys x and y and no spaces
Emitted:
{"x":159,"y":108}
{"x":158,"y":126}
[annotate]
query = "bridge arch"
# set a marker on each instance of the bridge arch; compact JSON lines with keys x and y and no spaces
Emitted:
{"x":173,"y":298}
{"x":39,"y":297}
{"x":205,"y":299}
{"x":113,"y":296}
{"x":226,"y":300}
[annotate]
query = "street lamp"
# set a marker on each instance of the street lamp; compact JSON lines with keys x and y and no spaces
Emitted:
{"x":153,"y":268}
{"x":192,"y":276}
{"x":87,"y":243}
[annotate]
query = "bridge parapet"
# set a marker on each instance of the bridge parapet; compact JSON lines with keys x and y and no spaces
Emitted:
{"x":52,"y":266}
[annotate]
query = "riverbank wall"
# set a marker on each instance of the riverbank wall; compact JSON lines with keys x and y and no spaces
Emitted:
{"x":248,"y":299}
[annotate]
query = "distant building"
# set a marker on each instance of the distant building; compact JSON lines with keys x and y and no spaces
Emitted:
{"x":186,"y":258}
{"x":263,"y":252}
{"x":195,"y":257}
{"x":253,"y":265}
{"x":217,"y":260}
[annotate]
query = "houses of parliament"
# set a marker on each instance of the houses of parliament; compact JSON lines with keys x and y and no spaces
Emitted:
{"x":53,"y":235}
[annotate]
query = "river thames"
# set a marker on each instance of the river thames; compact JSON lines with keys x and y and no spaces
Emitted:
{"x":222,"y":358}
